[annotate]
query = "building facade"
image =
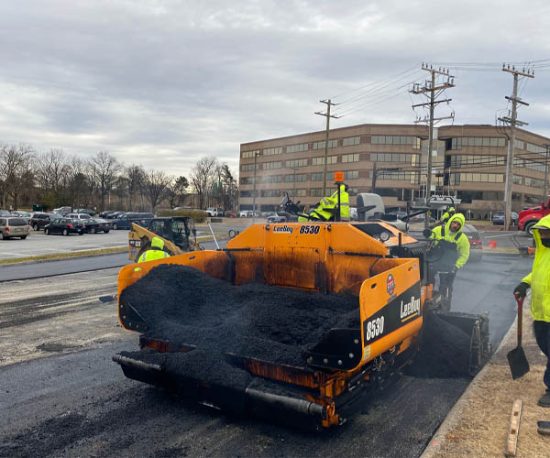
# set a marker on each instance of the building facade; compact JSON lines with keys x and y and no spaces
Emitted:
{"x":468,"y":162}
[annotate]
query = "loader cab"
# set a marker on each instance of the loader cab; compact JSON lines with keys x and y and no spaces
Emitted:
{"x":175,"y":229}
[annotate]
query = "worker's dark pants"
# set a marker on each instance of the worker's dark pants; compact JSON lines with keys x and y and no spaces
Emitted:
{"x":542,"y":334}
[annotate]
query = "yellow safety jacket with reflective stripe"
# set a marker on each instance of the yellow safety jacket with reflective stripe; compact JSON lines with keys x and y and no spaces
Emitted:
{"x":325,"y":210}
{"x":153,"y":255}
{"x":443,"y":232}
{"x":539,"y":278}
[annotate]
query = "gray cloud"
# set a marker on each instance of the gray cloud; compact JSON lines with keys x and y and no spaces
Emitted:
{"x":165,"y":82}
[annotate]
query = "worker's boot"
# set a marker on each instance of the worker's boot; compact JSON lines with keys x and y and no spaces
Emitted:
{"x":544,"y":401}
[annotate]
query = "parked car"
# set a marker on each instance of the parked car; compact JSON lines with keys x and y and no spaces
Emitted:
{"x":211,"y":211}
{"x":103,"y":225}
{"x":88,"y":211}
{"x":125,"y":221}
{"x":476,"y":244}
{"x":39,"y":220}
{"x":65,"y":226}
{"x":276,"y":218}
{"x":14,"y":227}
{"x":5,"y":213}
{"x":498,"y":218}
{"x":22,"y":214}
{"x":247,"y":214}
{"x":63,"y":210}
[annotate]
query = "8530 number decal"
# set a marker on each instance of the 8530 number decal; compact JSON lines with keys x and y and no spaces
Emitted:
{"x":310,"y":229}
{"x":375,"y":328}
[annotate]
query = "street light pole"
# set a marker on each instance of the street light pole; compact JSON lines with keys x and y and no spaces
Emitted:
{"x":256,"y":154}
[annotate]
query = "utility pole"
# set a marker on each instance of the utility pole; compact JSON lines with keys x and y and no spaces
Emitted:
{"x":432,"y":89}
{"x":512,"y":121}
{"x":328,"y":103}
{"x":545,"y":196}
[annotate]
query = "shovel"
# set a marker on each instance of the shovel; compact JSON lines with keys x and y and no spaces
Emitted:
{"x":516,"y":358}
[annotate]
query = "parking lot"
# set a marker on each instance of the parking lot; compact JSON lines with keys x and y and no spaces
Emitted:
{"x":40,"y":244}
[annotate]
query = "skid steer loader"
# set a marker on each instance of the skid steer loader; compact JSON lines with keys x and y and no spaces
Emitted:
{"x":178,"y":232}
{"x":298,"y":321}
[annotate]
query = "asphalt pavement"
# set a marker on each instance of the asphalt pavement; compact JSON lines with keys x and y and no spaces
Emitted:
{"x":78,"y":403}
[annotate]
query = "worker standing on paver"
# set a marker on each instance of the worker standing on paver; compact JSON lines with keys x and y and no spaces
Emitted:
{"x":155,"y":252}
{"x":328,"y":208}
{"x":539,"y":282}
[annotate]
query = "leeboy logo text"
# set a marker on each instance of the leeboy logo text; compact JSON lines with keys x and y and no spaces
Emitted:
{"x":284,"y":228}
{"x":410,"y":309}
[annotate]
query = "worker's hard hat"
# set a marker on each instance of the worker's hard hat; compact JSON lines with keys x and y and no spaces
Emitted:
{"x":157,"y":242}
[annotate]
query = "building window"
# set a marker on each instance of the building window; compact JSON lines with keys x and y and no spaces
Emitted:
{"x":350,"y":141}
{"x":396,"y":140}
{"x":316,"y":192}
{"x":273,"y":151}
{"x":351,"y":174}
{"x":321,"y":145}
{"x":394,"y":157}
{"x":481,"y":177}
{"x":494,"y":142}
{"x":245,"y":193}
{"x":467,"y":159}
{"x":321,"y":160}
{"x":297,"y":148}
{"x":271,"y":179}
{"x":246,"y":180}
{"x":296,"y":163}
{"x":317,"y":176}
{"x":300,"y":193}
{"x":248,"y":167}
{"x":355,"y":157}
{"x":270,"y":193}
{"x":249,"y":154}
{"x":273,"y":165}
{"x":291,"y":178}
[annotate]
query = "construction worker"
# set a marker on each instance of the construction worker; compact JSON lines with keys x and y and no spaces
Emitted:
{"x":447,"y":214}
{"x":155,"y":252}
{"x":539,"y":282}
{"x":451,"y":250}
{"x":327,"y":210}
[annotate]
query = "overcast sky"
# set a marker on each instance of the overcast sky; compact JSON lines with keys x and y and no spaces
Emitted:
{"x":165,"y":82}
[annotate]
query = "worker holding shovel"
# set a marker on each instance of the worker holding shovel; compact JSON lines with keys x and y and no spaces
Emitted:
{"x":539,"y":282}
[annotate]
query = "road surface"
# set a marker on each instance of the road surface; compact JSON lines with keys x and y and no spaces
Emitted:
{"x":61,"y":395}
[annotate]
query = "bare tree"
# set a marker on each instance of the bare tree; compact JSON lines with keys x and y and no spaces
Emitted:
{"x":156,"y":185}
{"x":79,"y":187}
{"x":53,"y":172}
{"x":15,"y":172}
{"x":136,"y":183}
{"x":103,"y":170}
{"x":201,"y":178}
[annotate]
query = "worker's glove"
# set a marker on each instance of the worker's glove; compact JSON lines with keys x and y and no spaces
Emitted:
{"x":521,"y":289}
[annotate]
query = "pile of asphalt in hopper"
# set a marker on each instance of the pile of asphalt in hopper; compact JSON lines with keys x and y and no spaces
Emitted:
{"x":444,"y":350}
{"x":186,"y":306}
